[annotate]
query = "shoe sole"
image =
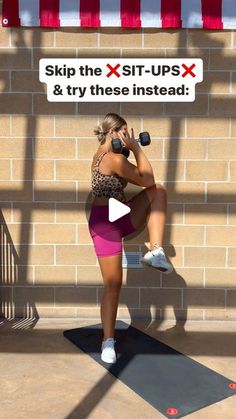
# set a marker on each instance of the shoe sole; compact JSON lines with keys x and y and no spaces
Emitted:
{"x":159,"y":268}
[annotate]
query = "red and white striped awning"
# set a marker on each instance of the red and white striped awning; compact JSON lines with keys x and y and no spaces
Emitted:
{"x":205,"y":14}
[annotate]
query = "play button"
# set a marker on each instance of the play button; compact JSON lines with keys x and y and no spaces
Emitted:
{"x":117,"y":209}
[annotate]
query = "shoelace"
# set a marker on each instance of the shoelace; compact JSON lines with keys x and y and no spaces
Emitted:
{"x":109,"y":343}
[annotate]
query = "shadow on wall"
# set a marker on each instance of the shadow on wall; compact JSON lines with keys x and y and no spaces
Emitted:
{"x":19,"y":297}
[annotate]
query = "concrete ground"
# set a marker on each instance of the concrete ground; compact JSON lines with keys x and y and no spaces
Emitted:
{"x":44,"y":376}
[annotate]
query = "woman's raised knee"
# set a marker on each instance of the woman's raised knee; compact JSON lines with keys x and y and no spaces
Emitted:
{"x":155,"y":189}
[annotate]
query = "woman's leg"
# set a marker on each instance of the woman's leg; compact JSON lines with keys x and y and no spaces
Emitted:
{"x":111,"y":268}
{"x":149,"y":208}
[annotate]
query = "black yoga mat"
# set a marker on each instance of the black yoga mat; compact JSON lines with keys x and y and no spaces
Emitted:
{"x":170,"y":381}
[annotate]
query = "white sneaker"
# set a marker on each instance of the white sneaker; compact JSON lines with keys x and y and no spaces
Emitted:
{"x":108,"y":351}
{"x":157,"y":259}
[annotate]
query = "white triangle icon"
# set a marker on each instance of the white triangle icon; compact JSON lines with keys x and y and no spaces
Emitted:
{"x":117,"y":209}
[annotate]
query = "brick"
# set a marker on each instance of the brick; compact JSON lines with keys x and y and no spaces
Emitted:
{"x":88,"y":313}
{"x":202,"y":298}
{"x":4,"y":126}
{"x":206,"y":170}
{"x":223,"y":59}
{"x":24,"y":296}
{"x":39,"y":53}
{"x":75,"y":296}
{"x":170,"y":38}
{"x":160,"y":297}
{"x":175,"y":214}
{"x":214,"y":39}
{"x":141,"y":108}
{"x":83,"y":234}
{"x":228,"y":314}
{"x":220,"y":149}
{"x":80,"y":37}
{"x":84,"y":192}
{"x":89,"y":275}
{"x":37,"y":169}
{"x":204,"y":256}
{"x":220,"y":277}
{"x":41,"y":106}
{"x":21,"y":274}
{"x":33,"y":37}
{"x":222,"y":105}
{"x":140,"y":277}
{"x":27,"y":81}
{"x":185,"y":277}
{"x":73,"y":255}
{"x":16,"y":190}
{"x":232,"y":171}
{"x":54,"y":191}
{"x":185,"y":148}
{"x":205,"y":214}
{"x":4,"y":37}
{"x":232,"y":214}
{"x":57,"y":312}
{"x":55,"y":233}
{"x":4,"y":81}
{"x":37,"y":211}
{"x":21,"y":233}
{"x":207,"y":127}
{"x":5,"y":170}
{"x":198,"y":107}
{"x":184,"y":235}
{"x":164,"y":127}
{"x":6,"y":213}
{"x":36,"y":255}
{"x":56,"y":148}
{"x":164,"y":169}
{"x":217,"y":192}
{"x":143,"y":53}
{"x":128,"y":297}
{"x":75,"y":126}
{"x":13,"y":58}
{"x":98,"y":52}
{"x":178,"y":314}
{"x":15,"y":104}
{"x":233,"y":82}
{"x":188,"y":53}
{"x":214,"y":82}
{"x":40,"y":126}
{"x":227,"y":235}
{"x":187,"y":192}
{"x":98,"y":108}
{"x":121,"y":37}
{"x":76,"y":170}
{"x":86,"y":148}
{"x":233,"y":122}
{"x":231,"y":298}
{"x":72,"y":212}
{"x":232,"y":257}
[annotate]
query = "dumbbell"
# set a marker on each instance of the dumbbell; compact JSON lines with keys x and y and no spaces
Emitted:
{"x":118,"y":147}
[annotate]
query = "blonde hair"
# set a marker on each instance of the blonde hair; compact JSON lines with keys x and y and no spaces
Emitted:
{"x":111,"y":120}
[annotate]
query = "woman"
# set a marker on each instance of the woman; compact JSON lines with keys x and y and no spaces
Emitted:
{"x":110,"y":174}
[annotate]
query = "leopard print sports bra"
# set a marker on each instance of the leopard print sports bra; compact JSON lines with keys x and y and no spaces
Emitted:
{"x":108,"y":186}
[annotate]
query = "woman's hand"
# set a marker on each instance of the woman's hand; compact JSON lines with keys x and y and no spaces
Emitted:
{"x":127,"y":140}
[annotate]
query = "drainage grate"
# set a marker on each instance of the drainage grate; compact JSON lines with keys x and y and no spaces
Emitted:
{"x":131,"y":260}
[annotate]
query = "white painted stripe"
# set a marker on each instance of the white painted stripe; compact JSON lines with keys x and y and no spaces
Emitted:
{"x":229,"y":14}
{"x":29,"y":12}
{"x":191,"y":11}
{"x":151,"y":14}
{"x":110,"y":12}
{"x":69,"y":14}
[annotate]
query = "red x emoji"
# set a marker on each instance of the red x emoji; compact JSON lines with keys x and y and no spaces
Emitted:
{"x":188,"y":70}
{"x":113,"y":70}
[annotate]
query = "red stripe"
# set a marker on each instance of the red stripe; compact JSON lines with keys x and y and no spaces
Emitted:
{"x":10,"y":13}
{"x":49,"y":13}
{"x":90,"y":13}
{"x":171,"y":13}
{"x":130,"y":13}
{"x":212,"y":14}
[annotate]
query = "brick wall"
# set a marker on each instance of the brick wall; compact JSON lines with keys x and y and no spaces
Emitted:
{"x":48,"y":264}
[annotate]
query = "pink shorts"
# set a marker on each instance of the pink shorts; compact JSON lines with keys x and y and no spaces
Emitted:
{"x":107,"y":235}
